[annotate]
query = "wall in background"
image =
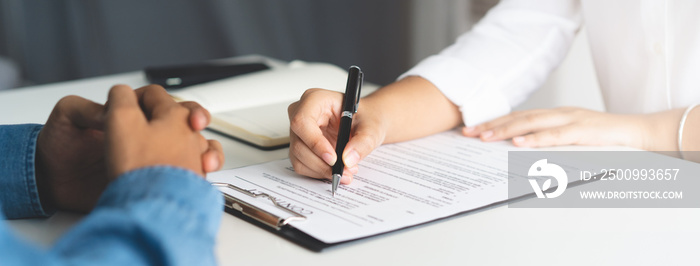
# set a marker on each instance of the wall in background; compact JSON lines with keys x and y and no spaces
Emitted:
{"x":437,"y":24}
{"x":9,"y":75}
{"x":60,"y":40}
{"x":63,"y":39}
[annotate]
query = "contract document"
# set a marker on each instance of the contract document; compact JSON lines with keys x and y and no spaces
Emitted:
{"x":397,"y":186}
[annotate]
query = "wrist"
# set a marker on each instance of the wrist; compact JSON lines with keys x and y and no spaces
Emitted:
{"x":661,"y":130}
{"x":688,"y":124}
{"x":374,"y":117}
{"x":40,"y":175}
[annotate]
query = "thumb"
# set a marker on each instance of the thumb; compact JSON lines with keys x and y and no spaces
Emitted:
{"x":360,"y":145}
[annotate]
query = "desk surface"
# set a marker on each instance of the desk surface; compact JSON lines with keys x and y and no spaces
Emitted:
{"x":499,"y":235}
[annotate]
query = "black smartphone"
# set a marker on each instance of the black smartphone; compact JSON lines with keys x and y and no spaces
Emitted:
{"x":180,"y":76}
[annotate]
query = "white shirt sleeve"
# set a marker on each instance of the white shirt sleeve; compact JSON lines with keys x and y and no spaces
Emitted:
{"x":504,"y":58}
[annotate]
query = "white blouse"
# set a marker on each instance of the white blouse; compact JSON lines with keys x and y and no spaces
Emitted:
{"x":646,"y":54}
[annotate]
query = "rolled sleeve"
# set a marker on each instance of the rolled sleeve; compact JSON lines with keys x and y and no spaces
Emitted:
{"x":448,"y":74}
{"x":504,"y":58}
{"x":19,"y":195}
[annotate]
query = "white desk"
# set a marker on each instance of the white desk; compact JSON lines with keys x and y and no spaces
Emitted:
{"x":496,"y":236}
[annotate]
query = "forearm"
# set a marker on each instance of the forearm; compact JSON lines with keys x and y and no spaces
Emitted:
{"x":411,"y":108}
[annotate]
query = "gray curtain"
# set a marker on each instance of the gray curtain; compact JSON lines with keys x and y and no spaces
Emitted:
{"x":55,"y":40}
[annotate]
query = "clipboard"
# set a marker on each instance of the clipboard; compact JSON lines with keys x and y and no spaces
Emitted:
{"x":268,"y":221}
{"x":280,"y":225}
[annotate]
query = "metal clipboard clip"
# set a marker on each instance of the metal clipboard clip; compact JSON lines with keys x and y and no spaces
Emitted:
{"x":256,"y":213}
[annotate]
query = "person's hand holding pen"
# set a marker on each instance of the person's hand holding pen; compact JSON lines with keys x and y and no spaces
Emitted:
{"x":315,"y":121}
{"x":319,"y":139}
{"x":407,"y":109}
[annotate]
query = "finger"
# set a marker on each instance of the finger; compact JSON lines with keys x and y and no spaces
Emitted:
{"x":301,"y":168}
{"x":348,"y":175}
{"x":361,"y":144}
{"x":320,"y":170}
{"x":304,"y":123}
{"x":81,"y":112}
{"x":315,"y":166}
{"x":476,"y":131}
{"x":213,"y":158}
{"x":121,"y":97}
{"x":199,"y":116}
{"x":154,"y":100}
{"x":566,"y":135}
{"x":310,"y":134}
{"x":524,"y":124}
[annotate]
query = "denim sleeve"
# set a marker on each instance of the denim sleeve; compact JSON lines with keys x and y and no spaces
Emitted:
{"x":151,"y":216}
{"x":19,"y":196}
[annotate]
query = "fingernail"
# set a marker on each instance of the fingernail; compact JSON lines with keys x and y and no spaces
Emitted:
{"x":202,"y":120}
{"x":328,"y":158}
{"x":519,"y":139}
{"x":487,"y":134}
{"x":215,"y":165}
{"x":351,"y":159}
{"x":468,"y":130}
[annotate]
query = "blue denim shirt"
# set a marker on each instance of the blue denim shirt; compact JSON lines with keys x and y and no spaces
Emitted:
{"x":152,"y":216}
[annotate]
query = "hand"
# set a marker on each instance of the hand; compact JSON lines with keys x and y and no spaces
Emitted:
{"x":153,"y":130}
{"x":199,"y":119}
{"x":314,"y":122}
{"x":70,"y":165}
{"x":564,"y":126}
{"x":70,"y":161}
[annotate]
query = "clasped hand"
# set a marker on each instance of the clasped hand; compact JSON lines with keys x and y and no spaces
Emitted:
{"x":84,"y":145}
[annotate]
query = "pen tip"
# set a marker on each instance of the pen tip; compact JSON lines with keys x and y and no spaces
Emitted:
{"x":335,"y":180}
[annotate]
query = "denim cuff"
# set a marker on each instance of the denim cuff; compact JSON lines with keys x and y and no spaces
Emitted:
{"x":19,"y":195}
{"x":166,"y":191}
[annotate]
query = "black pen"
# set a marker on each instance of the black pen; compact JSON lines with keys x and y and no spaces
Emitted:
{"x":350,"y":102}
